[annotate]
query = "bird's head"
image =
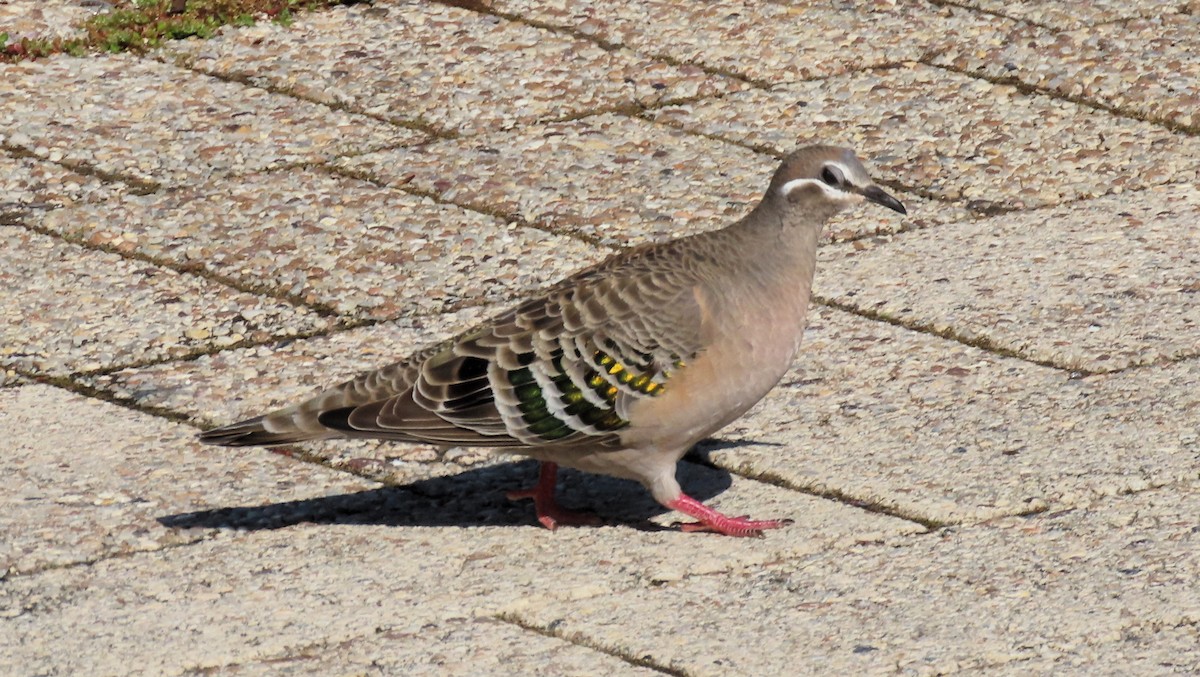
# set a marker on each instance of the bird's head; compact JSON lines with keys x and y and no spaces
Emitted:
{"x":823,"y":180}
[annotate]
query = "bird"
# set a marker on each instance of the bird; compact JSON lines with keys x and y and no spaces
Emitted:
{"x":620,"y":368}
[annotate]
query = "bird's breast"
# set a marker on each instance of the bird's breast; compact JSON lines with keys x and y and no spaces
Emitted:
{"x":742,"y":361}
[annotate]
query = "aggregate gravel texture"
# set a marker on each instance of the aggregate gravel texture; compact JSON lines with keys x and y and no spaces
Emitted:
{"x":1097,"y":286}
{"x":72,"y":309}
{"x":334,"y":242}
{"x":1070,"y":501}
{"x":36,"y":184}
{"x":9,"y":378}
{"x":159,"y":123}
{"x":1073,"y":588}
{"x":1148,"y":68}
{"x":91,"y":482}
{"x":772,"y":42}
{"x":464,"y":646}
{"x":939,"y":431}
{"x":1069,"y":15}
{"x":957,"y":137}
{"x":270,"y":591}
{"x":620,"y":180}
{"x":457,"y":70}
{"x":46,"y":18}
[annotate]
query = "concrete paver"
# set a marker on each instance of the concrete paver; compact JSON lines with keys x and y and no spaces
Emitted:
{"x":772,"y":42}
{"x":621,"y":180}
{"x":44,"y":18}
{"x":335,"y":242}
{"x":72,"y":309}
{"x":93,"y":479}
{"x":28,"y":182}
{"x":1098,"y":286}
{"x":200,"y":602}
{"x":949,"y":433}
{"x":957,"y":137}
{"x":959,"y":509}
{"x":464,"y":646}
{"x":1071,"y":588}
{"x":159,"y":123}
{"x":1149,"y":68}
{"x":457,"y":70}
{"x":1068,"y":15}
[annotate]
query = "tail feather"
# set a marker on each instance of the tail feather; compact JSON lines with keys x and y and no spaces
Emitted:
{"x":251,"y":433}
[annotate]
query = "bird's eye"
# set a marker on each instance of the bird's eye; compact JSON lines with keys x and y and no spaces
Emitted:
{"x":830,"y":176}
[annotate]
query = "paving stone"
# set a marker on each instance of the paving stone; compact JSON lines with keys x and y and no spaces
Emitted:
{"x":957,"y":137}
{"x":1143,"y":650}
{"x":1067,"y":15}
{"x":45,"y":18}
{"x":459,"y":646}
{"x":940,"y":431}
{"x":268,"y":592}
{"x":155,"y":122}
{"x":91,"y":481}
{"x":334,"y":242}
{"x":771,"y":42}
{"x":461,"y":71}
{"x":1073,"y":587}
{"x":30,"y":183}
{"x":1148,"y":68}
{"x":1096,"y":286}
{"x":71,"y":309}
{"x":619,"y":179}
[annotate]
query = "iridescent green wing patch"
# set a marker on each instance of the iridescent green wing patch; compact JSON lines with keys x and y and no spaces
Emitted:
{"x":555,"y":402}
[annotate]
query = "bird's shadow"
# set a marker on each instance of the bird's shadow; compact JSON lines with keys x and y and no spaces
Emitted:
{"x":472,"y":498}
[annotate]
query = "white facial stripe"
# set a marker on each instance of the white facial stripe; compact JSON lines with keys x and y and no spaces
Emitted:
{"x":830,"y":192}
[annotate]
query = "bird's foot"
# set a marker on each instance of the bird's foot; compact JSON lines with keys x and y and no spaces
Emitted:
{"x":711,"y":520}
{"x":549,"y":512}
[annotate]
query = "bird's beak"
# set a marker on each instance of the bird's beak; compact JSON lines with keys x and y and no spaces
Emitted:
{"x":878,"y":196}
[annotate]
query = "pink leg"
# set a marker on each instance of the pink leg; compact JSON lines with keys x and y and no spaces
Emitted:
{"x":711,"y":520}
{"x":549,"y":513}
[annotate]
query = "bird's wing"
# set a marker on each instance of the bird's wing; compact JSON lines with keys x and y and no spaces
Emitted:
{"x":558,"y":369}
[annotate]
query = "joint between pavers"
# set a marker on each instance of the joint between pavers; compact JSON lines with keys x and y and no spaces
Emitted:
{"x":610,"y":46}
{"x":414,"y":124}
{"x":980,"y":207}
{"x":836,"y":495}
{"x":995,"y":13}
{"x":581,"y":641}
{"x":873,"y":68}
{"x":506,"y":217}
{"x":70,"y":384}
{"x":979,"y":342}
{"x":136,"y":185}
{"x":634,"y":109}
{"x":193,"y":269}
{"x":343,"y":324}
{"x":92,"y":561}
{"x":987,"y":345}
{"x":1034,"y":90}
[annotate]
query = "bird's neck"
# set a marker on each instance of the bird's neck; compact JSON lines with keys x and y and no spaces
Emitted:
{"x":771,"y":258}
{"x":778,"y":246}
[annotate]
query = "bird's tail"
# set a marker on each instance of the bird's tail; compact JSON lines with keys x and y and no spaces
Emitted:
{"x":253,"y":432}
